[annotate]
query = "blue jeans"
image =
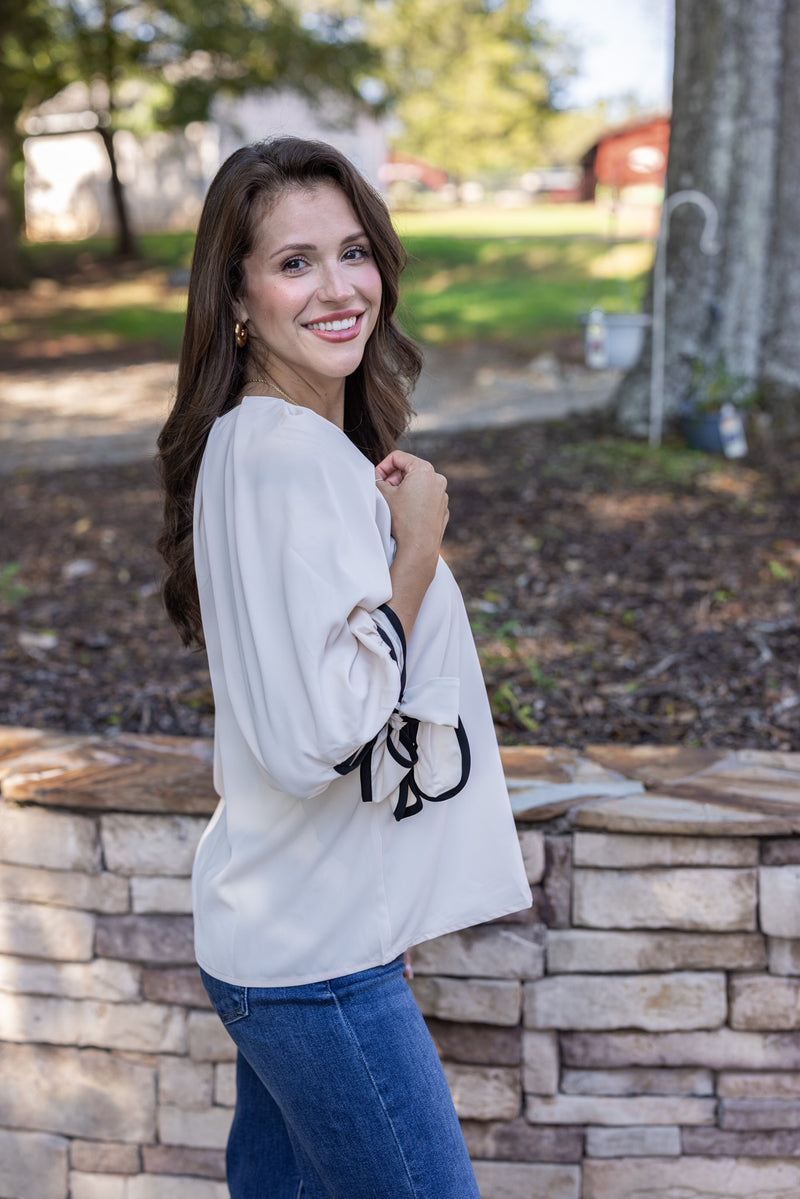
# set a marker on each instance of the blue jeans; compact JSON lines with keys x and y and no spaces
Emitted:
{"x":339,"y":1093}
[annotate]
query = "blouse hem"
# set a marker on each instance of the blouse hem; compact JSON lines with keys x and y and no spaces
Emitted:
{"x":381,"y":959}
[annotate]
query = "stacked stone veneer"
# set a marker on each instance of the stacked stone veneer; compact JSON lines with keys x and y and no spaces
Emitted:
{"x":635,"y":1033}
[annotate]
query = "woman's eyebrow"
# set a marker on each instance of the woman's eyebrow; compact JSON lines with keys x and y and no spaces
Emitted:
{"x":306,"y":247}
{"x":293,"y":248}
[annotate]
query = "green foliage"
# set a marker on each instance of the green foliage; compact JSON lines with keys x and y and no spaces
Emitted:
{"x":713,"y":385}
{"x":634,"y":462}
{"x":12,"y":591}
{"x":472,"y":81}
{"x":501,"y":651}
{"x":506,"y":702}
{"x":31,"y":61}
{"x":779,"y":571}
{"x":545,"y":681}
{"x":181,"y":54}
{"x":160,"y":63}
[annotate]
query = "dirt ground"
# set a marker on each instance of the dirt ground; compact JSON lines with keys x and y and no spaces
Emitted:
{"x":614,"y":596}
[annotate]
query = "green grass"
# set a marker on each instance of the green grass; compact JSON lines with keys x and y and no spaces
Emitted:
{"x":166,"y":250}
{"x":513,"y":277}
{"x":537,"y":220}
{"x":519,"y":277}
{"x":635,"y":464}
{"x":518,"y":291}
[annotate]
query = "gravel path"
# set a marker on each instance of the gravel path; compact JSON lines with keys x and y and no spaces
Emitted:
{"x":111,"y":413}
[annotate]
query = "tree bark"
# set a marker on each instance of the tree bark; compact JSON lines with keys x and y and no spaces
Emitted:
{"x":12,"y":269}
{"x":780,"y":365}
{"x":734,"y":137}
{"x":126,"y":242}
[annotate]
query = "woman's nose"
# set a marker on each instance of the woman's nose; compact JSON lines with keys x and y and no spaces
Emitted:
{"x":335,"y":285}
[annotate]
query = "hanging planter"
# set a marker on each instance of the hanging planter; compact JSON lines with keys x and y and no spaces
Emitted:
{"x":712,"y":413}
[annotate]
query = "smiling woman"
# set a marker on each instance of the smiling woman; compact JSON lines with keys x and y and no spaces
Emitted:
{"x":309,"y":308}
{"x":303,"y":551}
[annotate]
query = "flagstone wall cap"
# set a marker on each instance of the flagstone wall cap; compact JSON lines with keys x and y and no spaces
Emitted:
{"x":626,"y":789}
{"x":123,"y":773}
{"x":668,"y":814}
{"x":544,"y":801}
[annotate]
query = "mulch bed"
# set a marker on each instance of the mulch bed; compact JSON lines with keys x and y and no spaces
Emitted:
{"x":615,"y":596}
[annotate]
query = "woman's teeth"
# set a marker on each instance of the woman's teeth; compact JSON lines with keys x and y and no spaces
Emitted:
{"x":334,"y":326}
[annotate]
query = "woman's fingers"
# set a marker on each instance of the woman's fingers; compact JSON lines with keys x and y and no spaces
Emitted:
{"x":395,"y":477}
{"x":395,"y":466}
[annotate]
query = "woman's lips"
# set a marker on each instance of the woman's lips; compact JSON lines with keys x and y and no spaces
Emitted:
{"x":339,"y":327}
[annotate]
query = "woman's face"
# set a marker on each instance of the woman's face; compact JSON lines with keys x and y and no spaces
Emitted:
{"x":312,"y":289}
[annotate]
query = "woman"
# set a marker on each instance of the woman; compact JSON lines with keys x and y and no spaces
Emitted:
{"x":362,"y":803}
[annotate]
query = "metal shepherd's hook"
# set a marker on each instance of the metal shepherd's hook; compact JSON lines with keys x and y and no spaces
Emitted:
{"x":708,"y":245}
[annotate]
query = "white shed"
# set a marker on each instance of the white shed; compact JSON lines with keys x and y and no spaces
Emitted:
{"x":166,"y":175}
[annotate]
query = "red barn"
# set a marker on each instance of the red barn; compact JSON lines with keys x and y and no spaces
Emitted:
{"x":406,"y":167}
{"x":633,"y":153}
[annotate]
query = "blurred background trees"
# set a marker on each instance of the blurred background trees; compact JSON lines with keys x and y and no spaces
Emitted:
{"x":472,"y":84}
{"x":30,"y":71}
{"x":180,"y":53}
{"x":474,"y":90}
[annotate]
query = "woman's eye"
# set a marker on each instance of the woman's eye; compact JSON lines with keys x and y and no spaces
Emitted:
{"x":354,"y":253}
{"x":294,"y":264}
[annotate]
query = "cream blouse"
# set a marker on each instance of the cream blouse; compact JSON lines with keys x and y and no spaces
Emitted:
{"x":362,"y":806}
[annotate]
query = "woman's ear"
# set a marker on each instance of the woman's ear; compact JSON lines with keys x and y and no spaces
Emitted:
{"x":240,"y":311}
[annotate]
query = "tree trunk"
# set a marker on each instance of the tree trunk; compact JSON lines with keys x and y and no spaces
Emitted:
{"x":12,"y":270}
{"x":126,"y":242}
{"x":780,"y":367}
{"x":734,"y":137}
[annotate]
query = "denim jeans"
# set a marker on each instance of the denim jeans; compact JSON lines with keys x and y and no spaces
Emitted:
{"x":340,"y":1093}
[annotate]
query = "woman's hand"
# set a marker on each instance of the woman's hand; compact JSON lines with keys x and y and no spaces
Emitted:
{"x":417,"y":499}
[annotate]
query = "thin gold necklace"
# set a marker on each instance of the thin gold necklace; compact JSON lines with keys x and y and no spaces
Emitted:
{"x":280,"y":391}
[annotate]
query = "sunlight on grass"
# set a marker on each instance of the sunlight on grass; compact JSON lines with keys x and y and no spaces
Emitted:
{"x":148,"y":289}
{"x":516,"y":291}
{"x":104,"y":316}
{"x":623,"y":261}
{"x":516,"y":277}
{"x":536,"y":220}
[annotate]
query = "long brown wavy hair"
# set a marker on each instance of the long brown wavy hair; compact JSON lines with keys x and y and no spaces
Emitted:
{"x":211,"y":370}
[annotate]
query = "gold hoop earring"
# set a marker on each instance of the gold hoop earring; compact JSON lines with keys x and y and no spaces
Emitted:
{"x":240,"y":332}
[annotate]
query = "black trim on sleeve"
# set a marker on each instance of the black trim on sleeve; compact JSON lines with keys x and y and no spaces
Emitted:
{"x":408,"y":739}
{"x":409,"y":783}
{"x":401,"y":807}
{"x":366,"y":776}
{"x":466,"y":765}
{"x":394,"y":621}
{"x":357,"y":758}
{"x":361,"y":759}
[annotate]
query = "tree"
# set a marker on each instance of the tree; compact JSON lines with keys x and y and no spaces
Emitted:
{"x":471,"y":81}
{"x":735,"y":136}
{"x":28,"y":74}
{"x":182,"y":53}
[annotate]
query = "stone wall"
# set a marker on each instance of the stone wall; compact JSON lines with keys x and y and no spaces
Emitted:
{"x":637,"y":1032}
